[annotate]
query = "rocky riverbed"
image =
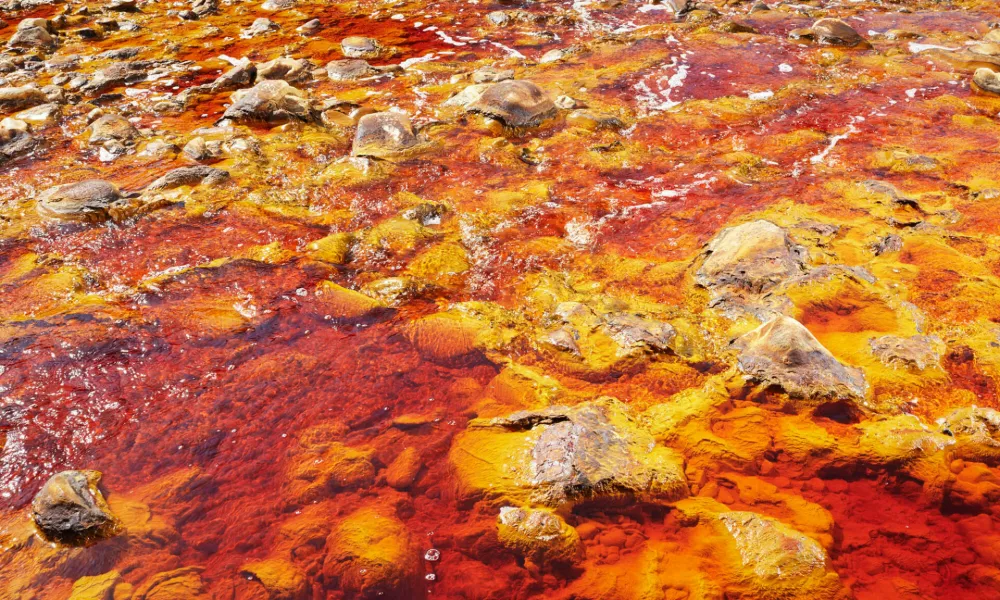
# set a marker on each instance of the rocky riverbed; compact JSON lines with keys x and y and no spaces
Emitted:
{"x":589,"y":300}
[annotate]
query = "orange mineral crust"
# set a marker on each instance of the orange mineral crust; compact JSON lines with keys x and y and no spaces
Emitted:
{"x":499,"y":300}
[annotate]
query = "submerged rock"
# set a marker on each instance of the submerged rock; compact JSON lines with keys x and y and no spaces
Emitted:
{"x":562,"y":455}
{"x":515,"y":103}
{"x":88,"y":200}
{"x":783,"y":353}
{"x":271,"y":101}
{"x":384,"y":135}
{"x":281,"y":579}
{"x":69,"y":509}
{"x":753,"y":256}
{"x":371,"y":554}
{"x":539,"y":535}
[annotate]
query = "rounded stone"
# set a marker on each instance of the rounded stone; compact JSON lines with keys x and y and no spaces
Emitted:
{"x":384,"y":135}
{"x":357,"y":46}
{"x":87,"y":200}
{"x":515,"y":103}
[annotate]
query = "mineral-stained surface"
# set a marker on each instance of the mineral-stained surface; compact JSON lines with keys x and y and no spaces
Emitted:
{"x":499,"y":300}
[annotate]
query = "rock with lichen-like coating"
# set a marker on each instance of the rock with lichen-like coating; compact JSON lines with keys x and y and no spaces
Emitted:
{"x":385,"y":135}
{"x":754,"y":256}
{"x":539,"y":535}
{"x":515,"y":103}
{"x":783,"y":353}
{"x":561,"y":455}
{"x":270,"y":101}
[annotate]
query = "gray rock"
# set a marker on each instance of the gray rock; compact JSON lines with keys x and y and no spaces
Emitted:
{"x":112,"y":128}
{"x":918,"y":352}
{"x":69,"y":509}
{"x":515,"y":103}
{"x":349,"y":69}
{"x":271,"y":101}
{"x":118,"y":74}
{"x":753,"y":256}
{"x":288,"y":69}
{"x":240,"y":76}
{"x":987,"y":80}
{"x":190,"y":176}
{"x":360,"y":47}
{"x":311,"y":27}
{"x":260,"y":27}
{"x":593,"y":450}
{"x":88,"y":200}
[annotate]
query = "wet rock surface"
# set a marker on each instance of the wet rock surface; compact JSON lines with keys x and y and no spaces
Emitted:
{"x":69,"y":509}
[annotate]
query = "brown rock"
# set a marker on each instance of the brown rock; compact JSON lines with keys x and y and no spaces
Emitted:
{"x":69,"y":509}
{"x":515,"y":103}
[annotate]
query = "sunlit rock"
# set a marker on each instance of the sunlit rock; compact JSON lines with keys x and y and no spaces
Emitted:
{"x":753,"y":256}
{"x":371,"y":554}
{"x":515,"y":103}
{"x":784,"y":354}
{"x":539,"y":535}
{"x":559,"y":455}
{"x":70,"y":509}
{"x":349,"y":69}
{"x":360,"y":47}
{"x":88,"y":200}
{"x":286,"y":68}
{"x":189,"y":176}
{"x":830,"y":31}
{"x":241,"y":75}
{"x":918,"y":352}
{"x":385,"y":135}
{"x":769,"y":560}
{"x":271,"y":101}
{"x":976,"y":432}
{"x":987,"y":80}
{"x":17,"y":98}
{"x":112,"y":128}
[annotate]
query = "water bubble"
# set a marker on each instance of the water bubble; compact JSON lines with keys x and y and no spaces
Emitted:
{"x":432,"y":555}
{"x":430,"y":577}
{"x":363,"y":571}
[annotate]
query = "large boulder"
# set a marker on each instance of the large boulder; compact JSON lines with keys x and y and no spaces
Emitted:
{"x":753,"y":256}
{"x":561,"y":455}
{"x":270,"y":101}
{"x":70,"y":509}
{"x":784,"y":354}
{"x":515,"y":103}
